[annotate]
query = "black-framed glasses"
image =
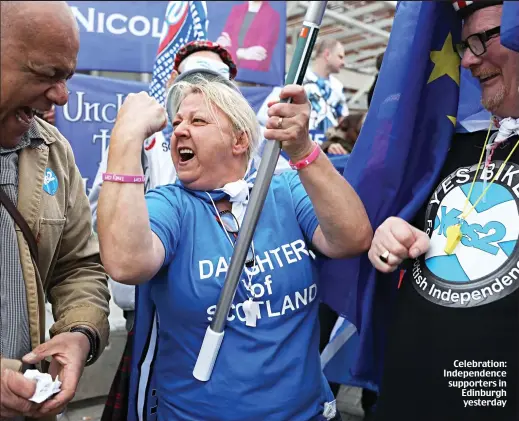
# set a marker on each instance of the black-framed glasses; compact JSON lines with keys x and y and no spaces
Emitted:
{"x":477,"y":43}
{"x":232,"y":226}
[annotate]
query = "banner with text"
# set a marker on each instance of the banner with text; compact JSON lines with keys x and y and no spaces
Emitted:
{"x":119,"y":36}
{"x":88,"y":117}
{"x":124,"y":36}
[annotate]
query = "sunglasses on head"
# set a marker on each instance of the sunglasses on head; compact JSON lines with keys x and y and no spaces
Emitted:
{"x":231,"y":225}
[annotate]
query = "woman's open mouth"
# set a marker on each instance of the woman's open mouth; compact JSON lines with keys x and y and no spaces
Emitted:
{"x":185,"y":154}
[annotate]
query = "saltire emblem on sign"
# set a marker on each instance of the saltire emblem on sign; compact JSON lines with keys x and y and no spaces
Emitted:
{"x":149,"y":143}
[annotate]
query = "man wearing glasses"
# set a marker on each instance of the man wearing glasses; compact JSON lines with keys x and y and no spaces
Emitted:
{"x":453,"y":351}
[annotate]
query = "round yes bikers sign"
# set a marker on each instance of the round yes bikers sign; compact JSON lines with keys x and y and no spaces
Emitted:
{"x":484,"y":266}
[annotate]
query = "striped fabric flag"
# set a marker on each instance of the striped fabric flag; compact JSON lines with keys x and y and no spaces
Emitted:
{"x":187,"y":22}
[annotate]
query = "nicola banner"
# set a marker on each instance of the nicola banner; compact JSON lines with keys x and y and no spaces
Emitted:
{"x":119,"y":36}
{"x":124,"y":36}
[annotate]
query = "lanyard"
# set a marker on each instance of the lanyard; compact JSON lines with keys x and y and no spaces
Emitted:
{"x":250,"y":307}
{"x":453,"y":232}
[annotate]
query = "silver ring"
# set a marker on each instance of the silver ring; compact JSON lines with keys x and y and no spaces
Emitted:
{"x":280,"y":122}
{"x":384,"y":256}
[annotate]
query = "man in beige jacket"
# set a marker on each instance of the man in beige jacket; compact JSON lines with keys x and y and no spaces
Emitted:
{"x":38,"y":174}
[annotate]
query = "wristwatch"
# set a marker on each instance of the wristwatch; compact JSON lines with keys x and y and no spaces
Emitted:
{"x":93,"y":340}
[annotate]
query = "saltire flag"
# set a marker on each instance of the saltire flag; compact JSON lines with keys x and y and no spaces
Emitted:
{"x":187,"y":22}
{"x":396,"y":160}
{"x":337,"y":356}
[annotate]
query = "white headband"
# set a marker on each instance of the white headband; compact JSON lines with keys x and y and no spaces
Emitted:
{"x":197,"y":62}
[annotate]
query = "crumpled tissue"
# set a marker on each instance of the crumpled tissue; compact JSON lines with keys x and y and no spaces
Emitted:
{"x":45,"y":387}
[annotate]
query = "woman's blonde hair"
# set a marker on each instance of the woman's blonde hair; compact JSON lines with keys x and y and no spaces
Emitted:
{"x":222,"y":93}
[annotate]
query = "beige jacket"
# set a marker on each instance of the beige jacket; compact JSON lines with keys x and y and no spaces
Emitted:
{"x":69,"y":272}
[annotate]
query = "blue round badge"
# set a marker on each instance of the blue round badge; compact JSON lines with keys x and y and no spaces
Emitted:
{"x":484,"y":265}
{"x":50,"y":182}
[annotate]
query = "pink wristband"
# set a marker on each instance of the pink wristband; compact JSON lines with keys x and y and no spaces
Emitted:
{"x":305,"y":162}
{"x":118,"y":178}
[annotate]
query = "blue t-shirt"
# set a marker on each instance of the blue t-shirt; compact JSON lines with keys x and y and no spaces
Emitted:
{"x":268,"y":372}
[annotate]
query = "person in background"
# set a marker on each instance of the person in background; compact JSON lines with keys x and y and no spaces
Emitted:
{"x":250,"y":34}
{"x":341,"y":139}
{"x":378,"y":64}
{"x":47,"y":250}
{"x":325,"y":92}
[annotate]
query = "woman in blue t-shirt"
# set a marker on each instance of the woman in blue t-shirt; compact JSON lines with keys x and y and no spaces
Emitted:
{"x":180,"y":237}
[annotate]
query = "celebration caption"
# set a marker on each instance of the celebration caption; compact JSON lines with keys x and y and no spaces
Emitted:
{"x":481,"y":383}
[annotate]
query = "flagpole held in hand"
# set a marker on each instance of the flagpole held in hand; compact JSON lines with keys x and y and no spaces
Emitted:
{"x":215,"y":332}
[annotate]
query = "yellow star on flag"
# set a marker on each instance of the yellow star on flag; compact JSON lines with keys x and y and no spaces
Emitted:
{"x":452,"y":119}
{"x":446,"y":62}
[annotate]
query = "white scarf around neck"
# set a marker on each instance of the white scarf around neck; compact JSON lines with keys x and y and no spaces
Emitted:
{"x":238,"y":192}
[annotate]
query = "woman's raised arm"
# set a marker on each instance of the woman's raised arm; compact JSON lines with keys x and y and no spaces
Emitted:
{"x":130,"y":251}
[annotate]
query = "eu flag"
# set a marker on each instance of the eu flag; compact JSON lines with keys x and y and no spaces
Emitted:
{"x":510,"y":25}
{"x":396,"y":160}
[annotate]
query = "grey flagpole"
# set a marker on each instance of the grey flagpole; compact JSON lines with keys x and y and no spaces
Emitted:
{"x":215,"y":332}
